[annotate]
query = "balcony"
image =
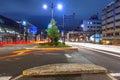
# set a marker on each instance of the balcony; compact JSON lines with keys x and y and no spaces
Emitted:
{"x":117,"y":37}
{"x":110,"y":19}
{"x":117,"y":10}
{"x":108,"y":37}
{"x":117,"y":4}
{"x":103,"y":32}
{"x":117,"y":23}
{"x":117,"y":30}
{"x":117,"y":17}
{"x":103,"y":27}
{"x":112,"y":37}
{"x":110,"y":25}
{"x":110,"y":31}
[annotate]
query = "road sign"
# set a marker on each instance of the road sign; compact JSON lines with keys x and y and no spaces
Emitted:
{"x":33,"y":30}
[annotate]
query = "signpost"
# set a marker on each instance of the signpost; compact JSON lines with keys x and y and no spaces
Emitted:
{"x":33,"y":30}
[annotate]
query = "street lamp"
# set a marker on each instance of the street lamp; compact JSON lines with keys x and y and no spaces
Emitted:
{"x":59,"y":6}
{"x":52,"y":6}
{"x":24,"y":23}
{"x":45,"y":6}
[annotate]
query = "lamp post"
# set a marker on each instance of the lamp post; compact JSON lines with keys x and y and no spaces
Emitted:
{"x":63,"y":30}
{"x":52,"y":6}
{"x":24,"y":23}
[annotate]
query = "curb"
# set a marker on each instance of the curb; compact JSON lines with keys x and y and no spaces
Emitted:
{"x":64,"y":69}
{"x":52,"y":49}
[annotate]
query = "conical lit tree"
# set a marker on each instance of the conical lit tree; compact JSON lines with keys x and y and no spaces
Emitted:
{"x":53,"y":32}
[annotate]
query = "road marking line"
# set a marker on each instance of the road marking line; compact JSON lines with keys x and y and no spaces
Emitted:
{"x":104,"y":52}
{"x":112,"y":77}
{"x":27,"y":48}
{"x":16,"y":78}
{"x":5,"y":77}
{"x":68,"y":56}
{"x":20,"y":53}
{"x":115,"y":74}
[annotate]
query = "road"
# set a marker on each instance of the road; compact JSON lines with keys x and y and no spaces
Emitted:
{"x":7,"y":50}
{"x":11,"y":67}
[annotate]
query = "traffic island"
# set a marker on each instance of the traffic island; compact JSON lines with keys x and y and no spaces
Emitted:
{"x":66,"y":71}
{"x":60,"y":69}
{"x":51,"y":47}
{"x":54,"y":48}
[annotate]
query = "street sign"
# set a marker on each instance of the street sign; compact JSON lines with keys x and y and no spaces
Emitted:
{"x":33,"y":30}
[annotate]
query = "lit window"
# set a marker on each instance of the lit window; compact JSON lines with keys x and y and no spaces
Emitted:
{"x":1,"y":21}
{"x":90,"y":22}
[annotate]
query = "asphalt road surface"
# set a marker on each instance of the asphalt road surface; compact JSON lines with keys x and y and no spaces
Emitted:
{"x":11,"y":67}
{"x":7,"y":50}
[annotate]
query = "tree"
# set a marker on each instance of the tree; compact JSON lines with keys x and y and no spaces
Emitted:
{"x":53,"y":32}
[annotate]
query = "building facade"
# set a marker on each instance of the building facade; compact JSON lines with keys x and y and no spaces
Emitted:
{"x":73,"y":36}
{"x":111,"y":23}
{"x":9,"y":30}
{"x":92,"y":27}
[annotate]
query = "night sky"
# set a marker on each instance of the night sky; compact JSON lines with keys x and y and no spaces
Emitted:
{"x":32,"y":11}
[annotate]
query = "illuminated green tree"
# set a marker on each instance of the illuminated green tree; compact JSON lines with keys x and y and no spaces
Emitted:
{"x":53,"y":32}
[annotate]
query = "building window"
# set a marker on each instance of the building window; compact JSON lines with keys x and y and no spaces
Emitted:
{"x":118,"y":27}
{"x":88,"y":22}
{"x":91,"y":23}
{"x":117,"y":34}
{"x":1,"y":21}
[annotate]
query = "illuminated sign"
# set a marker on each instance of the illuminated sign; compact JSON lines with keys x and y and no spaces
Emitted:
{"x":33,"y":30}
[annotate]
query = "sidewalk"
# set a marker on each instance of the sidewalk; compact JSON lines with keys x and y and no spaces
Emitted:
{"x":111,"y":48}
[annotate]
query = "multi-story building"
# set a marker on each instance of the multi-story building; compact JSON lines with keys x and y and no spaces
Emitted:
{"x":9,"y":29}
{"x":111,"y":23}
{"x":92,"y":29}
{"x":12,"y":31}
{"x":69,"y":22}
{"x":91,"y":25}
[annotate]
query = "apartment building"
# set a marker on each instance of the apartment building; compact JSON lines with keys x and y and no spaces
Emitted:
{"x":111,"y":23}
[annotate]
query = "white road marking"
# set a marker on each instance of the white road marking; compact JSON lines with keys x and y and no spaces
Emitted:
{"x":7,"y":60}
{"x":115,"y":74}
{"x":16,"y":78}
{"x":21,"y":53}
{"x":5,"y":77}
{"x":104,"y":52}
{"x":27,"y":48}
{"x":68,"y":56}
